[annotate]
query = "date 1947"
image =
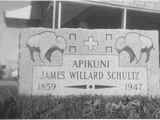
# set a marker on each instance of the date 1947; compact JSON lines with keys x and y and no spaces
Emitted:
{"x":133,"y":86}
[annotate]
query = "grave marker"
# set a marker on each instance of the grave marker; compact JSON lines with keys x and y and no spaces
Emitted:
{"x":81,"y":61}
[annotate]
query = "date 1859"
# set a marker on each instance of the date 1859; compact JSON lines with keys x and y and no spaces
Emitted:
{"x":46,"y":86}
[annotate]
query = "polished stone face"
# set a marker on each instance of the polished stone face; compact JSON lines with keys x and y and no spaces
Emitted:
{"x":81,"y":61}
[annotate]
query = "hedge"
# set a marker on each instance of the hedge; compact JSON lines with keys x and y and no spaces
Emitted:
{"x":29,"y":107}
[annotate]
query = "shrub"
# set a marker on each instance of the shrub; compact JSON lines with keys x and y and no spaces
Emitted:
{"x":14,"y":106}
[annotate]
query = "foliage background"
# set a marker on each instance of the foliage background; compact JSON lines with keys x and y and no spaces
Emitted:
{"x":14,"y":106}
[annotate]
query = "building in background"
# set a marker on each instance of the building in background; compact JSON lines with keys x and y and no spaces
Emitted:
{"x":91,"y":14}
{"x":127,"y":14}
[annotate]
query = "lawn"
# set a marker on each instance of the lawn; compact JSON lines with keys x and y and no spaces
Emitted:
{"x":14,"y":106}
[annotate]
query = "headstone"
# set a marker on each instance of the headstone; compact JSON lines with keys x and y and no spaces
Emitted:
{"x":80,"y":61}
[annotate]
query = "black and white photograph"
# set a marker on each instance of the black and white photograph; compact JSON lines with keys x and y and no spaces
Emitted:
{"x":79,"y":59}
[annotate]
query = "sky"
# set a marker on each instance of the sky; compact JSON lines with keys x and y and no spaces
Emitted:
{"x":8,"y":45}
{"x":8,"y":37}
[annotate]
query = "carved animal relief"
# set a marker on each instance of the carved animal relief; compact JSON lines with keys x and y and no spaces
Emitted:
{"x":45,"y":43}
{"x":136,"y":45}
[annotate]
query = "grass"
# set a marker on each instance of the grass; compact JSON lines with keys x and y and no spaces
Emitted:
{"x":14,"y":106}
